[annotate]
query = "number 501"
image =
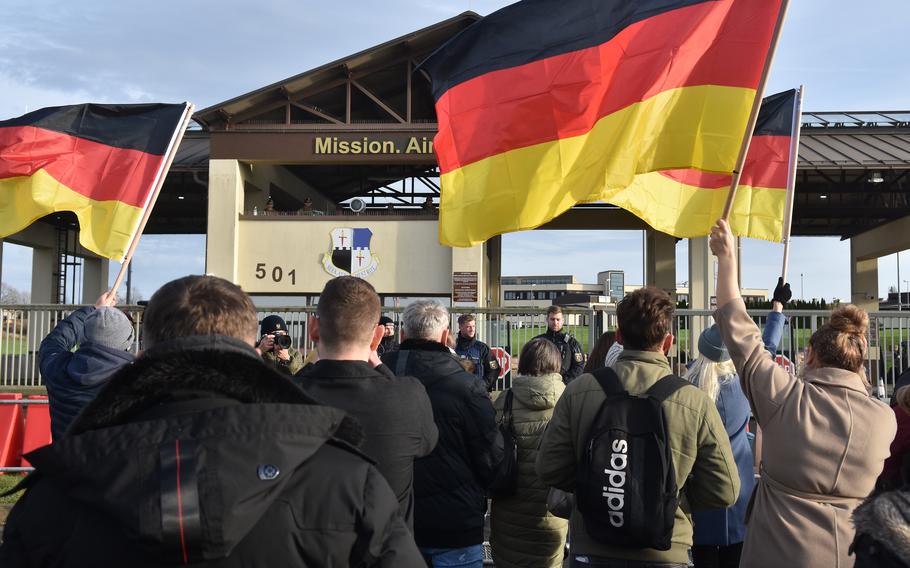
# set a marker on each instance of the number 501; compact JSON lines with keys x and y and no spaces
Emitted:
{"x":277,"y":273}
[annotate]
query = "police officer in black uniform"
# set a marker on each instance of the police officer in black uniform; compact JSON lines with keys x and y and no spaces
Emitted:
{"x":573,"y":358}
{"x":485,"y":366}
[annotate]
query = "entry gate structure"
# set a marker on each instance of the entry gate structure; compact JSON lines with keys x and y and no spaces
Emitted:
{"x":22,"y":327}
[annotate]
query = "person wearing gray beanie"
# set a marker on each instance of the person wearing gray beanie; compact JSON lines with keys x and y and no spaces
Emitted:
{"x":104,"y":336}
{"x":110,"y":327}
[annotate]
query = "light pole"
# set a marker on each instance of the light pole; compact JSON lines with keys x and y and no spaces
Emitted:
{"x":802,"y":296}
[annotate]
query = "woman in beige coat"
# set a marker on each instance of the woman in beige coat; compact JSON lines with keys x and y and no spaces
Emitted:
{"x":523,"y":533}
{"x":825,"y":438}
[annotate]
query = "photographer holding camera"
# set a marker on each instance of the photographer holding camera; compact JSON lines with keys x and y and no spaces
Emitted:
{"x":275,"y":345}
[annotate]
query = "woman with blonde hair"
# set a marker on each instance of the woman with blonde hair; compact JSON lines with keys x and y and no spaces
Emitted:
{"x":825,"y":437}
{"x":523,"y":533}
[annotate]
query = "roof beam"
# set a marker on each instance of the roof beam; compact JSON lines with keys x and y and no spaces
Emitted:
{"x":376,"y":100}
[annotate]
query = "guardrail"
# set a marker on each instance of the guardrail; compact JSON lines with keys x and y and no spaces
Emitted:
{"x":24,"y":326}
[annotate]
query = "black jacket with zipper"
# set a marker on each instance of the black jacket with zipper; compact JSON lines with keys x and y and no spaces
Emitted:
{"x":198,"y":453}
{"x":450,"y":484}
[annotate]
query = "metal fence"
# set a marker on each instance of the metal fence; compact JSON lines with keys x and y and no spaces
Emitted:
{"x":22,"y":329}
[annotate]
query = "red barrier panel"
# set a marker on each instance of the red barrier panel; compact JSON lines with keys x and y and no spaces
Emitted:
{"x":11,"y":427}
{"x":37,"y":427}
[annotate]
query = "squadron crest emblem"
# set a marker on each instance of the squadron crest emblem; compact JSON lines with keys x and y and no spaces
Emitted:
{"x":350,"y":254}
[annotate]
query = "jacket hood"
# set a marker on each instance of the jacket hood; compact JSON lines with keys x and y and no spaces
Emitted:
{"x":886,"y":518}
{"x":425,"y":359}
{"x":209,"y":412}
{"x":538,"y":393}
{"x":93,"y":364}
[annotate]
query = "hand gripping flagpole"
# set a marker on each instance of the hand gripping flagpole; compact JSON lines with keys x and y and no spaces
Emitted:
{"x":756,"y":105}
{"x":791,"y":178}
{"x":153,"y":197}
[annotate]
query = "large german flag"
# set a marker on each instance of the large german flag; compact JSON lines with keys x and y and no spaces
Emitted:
{"x":98,"y":161}
{"x":687,"y":202}
{"x":549,"y":103}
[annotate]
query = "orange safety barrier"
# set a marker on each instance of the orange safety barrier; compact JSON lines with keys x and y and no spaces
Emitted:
{"x":37,"y":427}
{"x":12,"y":423}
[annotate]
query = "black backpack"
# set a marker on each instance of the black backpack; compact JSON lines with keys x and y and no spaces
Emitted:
{"x":626,"y":483}
{"x":505,"y":479}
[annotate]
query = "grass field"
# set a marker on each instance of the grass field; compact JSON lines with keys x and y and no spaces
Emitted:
{"x":13,"y":344}
{"x":7,"y":481}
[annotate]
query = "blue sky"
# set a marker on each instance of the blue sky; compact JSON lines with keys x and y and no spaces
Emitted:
{"x":54,"y":52}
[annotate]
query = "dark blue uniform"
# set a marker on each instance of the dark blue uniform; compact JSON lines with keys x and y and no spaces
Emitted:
{"x":485,"y":366}
{"x":573,"y":358}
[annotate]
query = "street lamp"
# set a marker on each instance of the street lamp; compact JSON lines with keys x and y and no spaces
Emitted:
{"x":801,"y":295}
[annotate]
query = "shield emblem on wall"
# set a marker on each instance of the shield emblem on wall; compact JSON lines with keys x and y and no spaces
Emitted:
{"x":350,"y":253}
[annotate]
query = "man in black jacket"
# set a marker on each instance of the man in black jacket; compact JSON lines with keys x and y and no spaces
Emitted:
{"x":395,"y":412}
{"x":468,"y":346}
{"x":450,"y":483}
{"x":199,"y":453}
{"x":573,"y":356}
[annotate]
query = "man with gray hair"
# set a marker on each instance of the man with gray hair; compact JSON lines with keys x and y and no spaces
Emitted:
{"x":454,"y":477}
{"x":104,"y":336}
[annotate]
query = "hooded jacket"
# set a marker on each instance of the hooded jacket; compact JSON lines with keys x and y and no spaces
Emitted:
{"x":199,"y":453}
{"x":74,"y":378}
{"x":883,"y":531}
{"x":523,"y":532}
{"x":450,"y":483}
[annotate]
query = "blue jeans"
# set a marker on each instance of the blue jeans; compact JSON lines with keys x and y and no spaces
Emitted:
{"x":467,"y":557}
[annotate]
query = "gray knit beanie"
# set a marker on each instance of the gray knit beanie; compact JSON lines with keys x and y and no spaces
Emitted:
{"x":711,"y":345}
{"x":109,"y":327}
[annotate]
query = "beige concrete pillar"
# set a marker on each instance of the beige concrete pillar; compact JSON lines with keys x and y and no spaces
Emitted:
{"x":44,"y":264}
{"x":225,"y":205}
{"x":863,"y":279}
{"x":701,"y":289}
{"x":661,"y":265}
{"x":95,"y":278}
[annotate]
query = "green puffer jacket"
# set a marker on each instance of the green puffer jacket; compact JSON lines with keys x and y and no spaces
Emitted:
{"x":523,"y":532}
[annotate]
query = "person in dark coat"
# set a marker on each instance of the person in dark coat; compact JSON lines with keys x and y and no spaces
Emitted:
{"x":451,"y":482}
{"x":395,"y":412}
{"x":469,"y":347}
{"x":388,"y":342}
{"x":199,"y":453}
{"x":286,"y":358}
{"x":104,"y":336}
{"x":573,"y":356}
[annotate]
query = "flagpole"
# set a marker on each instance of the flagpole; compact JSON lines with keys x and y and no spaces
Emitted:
{"x":791,"y":178}
{"x":159,"y":182}
{"x":756,"y":105}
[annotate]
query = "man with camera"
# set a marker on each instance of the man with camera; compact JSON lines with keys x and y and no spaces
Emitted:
{"x":275,"y":345}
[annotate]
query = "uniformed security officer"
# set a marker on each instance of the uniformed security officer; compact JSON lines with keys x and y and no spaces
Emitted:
{"x":469,"y":347}
{"x":573,"y":358}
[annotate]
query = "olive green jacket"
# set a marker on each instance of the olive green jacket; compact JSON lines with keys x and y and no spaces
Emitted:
{"x":523,"y":532}
{"x":294,"y":364}
{"x":705,"y":470}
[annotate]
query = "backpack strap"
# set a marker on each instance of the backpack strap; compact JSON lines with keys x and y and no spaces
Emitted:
{"x":662,"y":389}
{"x":507,"y":408}
{"x":609,"y":381}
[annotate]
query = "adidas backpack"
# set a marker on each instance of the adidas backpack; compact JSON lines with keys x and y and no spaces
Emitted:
{"x":626,"y":483}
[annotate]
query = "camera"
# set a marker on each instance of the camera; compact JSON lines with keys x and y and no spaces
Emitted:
{"x":283,"y":341}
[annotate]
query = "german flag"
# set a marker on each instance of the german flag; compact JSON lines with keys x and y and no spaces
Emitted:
{"x":549,"y":103}
{"x":687,"y":202}
{"x":99,"y":161}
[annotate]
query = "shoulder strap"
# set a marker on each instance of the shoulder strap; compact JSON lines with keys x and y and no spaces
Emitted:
{"x":609,"y":381}
{"x":401,"y":364}
{"x":662,"y":389}
{"x":507,"y":408}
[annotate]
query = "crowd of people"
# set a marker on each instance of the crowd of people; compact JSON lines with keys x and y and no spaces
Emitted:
{"x":219,"y":445}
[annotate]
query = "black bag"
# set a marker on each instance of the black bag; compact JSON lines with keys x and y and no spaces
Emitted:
{"x":626,"y":483}
{"x":505,"y":480}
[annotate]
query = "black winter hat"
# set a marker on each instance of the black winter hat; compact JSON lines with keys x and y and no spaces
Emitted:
{"x":271,"y":324}
{"x":385,"y":320}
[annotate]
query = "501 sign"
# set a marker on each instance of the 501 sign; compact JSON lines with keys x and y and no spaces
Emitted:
{"x":276,"y":273}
